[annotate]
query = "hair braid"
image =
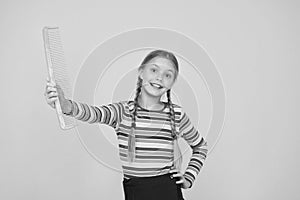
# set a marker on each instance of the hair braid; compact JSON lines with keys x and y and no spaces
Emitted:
{"x":131,"y":137}
{"x":177,"y":158}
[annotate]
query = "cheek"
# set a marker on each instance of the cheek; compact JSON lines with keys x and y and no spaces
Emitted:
{"x":168,"y":83}
{"x":148,"y":77}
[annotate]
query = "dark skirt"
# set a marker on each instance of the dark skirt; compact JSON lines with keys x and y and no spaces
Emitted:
{"x":161,"y":187}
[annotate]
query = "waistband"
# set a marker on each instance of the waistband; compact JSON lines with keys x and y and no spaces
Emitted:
{"x":164,"y":178}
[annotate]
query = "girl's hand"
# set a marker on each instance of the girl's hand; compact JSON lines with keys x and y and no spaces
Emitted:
{"x":50,"y":93}
{"x":53,"y":92}
{"x":181,"y":180}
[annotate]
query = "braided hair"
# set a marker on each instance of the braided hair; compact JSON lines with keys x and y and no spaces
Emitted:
{"x":131,"y":140}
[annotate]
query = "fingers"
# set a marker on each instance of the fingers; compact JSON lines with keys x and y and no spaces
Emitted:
{"x":51,"y":89}
{"x":51,"y":101}
{"x":174,"y":170}
{"x":51,"y":94}
{"x":51,"y":97}
{"x":180,"y":181}
{"x":178,"y":175}
{"x":50,"y":86}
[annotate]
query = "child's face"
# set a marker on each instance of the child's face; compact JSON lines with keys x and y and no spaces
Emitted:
{"x":160,"y":71}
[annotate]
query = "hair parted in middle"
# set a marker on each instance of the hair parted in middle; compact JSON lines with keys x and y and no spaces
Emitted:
{"x":131,"y":140}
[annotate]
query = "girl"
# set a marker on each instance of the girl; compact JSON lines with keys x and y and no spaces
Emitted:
{"x":150,"y":155}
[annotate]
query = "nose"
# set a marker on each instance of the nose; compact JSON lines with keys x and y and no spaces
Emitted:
{"x":159,"y":76}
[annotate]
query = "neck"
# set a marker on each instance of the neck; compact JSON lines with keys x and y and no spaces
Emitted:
{"x":149,"y":102}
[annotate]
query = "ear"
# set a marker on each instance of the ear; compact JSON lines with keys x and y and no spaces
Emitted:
{"x":140,"y":73}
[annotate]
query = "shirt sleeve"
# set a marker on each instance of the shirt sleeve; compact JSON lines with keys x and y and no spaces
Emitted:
{"x":198,"y":145}
{"x":110,"y":114}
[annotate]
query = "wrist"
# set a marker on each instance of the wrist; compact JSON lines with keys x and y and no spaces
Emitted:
{"x":187,"y":183}
{"x":67,"y":107}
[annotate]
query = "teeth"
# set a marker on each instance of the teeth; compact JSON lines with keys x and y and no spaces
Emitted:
{"x":155,"y":85}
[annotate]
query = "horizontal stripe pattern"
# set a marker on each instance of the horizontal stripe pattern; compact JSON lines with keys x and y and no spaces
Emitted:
{"x":154,"y":144}
{"x":198,"y":145}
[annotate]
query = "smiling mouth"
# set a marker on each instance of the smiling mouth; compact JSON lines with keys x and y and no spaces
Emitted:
{"x":156,"y":86}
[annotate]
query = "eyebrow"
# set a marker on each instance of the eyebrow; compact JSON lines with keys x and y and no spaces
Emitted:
{"x":159,"y":67}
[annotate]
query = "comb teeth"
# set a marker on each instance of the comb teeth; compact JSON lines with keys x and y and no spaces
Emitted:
{"x":57,"y":70}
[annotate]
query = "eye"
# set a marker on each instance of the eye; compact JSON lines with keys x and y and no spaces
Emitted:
{"x":168,"y":75}
{"x":153,"y":70}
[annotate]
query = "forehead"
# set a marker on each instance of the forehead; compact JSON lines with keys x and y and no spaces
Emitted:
{"x":163,"y":63}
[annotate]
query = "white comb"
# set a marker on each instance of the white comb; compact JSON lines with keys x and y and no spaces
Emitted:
{"x":57,"y":71}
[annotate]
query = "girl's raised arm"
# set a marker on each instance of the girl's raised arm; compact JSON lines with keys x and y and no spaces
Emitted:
{"x":110,"y":114}
{"x":198,"y":145}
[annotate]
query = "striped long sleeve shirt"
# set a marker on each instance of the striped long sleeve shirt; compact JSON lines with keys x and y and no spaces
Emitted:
{"x":154,"y":143}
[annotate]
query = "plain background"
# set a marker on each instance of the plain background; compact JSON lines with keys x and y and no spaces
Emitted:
{"x":255,"y":46}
